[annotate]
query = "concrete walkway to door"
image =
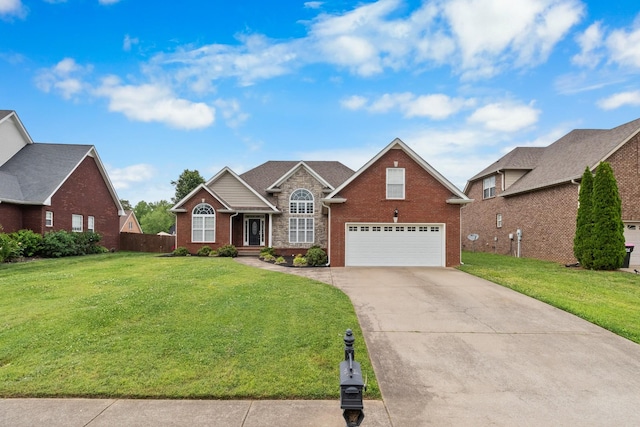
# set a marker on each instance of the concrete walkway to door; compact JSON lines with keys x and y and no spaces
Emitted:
{"x":450,"y":349}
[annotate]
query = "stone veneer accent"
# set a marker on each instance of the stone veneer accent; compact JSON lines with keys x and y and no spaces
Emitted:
{"x":300,"y":179}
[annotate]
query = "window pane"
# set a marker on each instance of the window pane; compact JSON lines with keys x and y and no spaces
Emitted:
{"x":395,"y":183}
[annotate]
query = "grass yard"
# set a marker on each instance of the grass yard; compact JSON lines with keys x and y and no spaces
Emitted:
{"x":143,"y":326}
{"x":610,"y":299}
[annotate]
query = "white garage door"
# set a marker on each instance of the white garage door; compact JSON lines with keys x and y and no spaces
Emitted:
{"x":632,"y":236}
{"x":385,"y":245}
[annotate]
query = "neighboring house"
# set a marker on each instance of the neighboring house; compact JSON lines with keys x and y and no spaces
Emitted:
{"x":396,"y":210}
{"x":535,"y":190}
{"x":129,"y":223}
{"x":50,"y":187}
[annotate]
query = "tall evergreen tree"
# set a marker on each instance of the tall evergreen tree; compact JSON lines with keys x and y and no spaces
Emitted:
{"x":188,"y":180}
{"x":608,"y":229}
{"x":584,"y":222}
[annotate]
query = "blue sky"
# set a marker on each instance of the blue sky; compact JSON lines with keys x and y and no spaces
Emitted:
{"x":159,"y":87}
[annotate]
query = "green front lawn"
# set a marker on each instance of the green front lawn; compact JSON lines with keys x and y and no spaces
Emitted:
{"x":139,"y":325}
{"x":610,"y":299}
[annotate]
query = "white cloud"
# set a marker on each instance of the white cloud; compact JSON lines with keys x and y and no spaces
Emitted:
{"x":620,"y":99}
{"x":589,"y":41}
{"x":505,"y":116}
{"x":155,"y":103}
{"x":433,"y":106}
{"x":9,"y":8}
{"x":124,"y":177}
{"x":108,"y":2}
{"x":232,"y":112}
{"x":492,"y":34}
{"x":354,"y":102}
{"x":313,"y":4}
{"x":129,"y":42}
{"x":65,"y":78}
{"x":624,"y":46}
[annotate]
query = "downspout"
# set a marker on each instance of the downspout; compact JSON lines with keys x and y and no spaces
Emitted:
{"x":328,"y":234}
{"x":501,"y":180}
{"x":231,"y":227}
{"x":270,"y":230}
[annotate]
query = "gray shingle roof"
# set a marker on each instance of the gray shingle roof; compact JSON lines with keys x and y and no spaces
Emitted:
{"x":5,"y":113}
{"x":261,"y":177}
{"x":563,"y":160}
{"x":37,"y":170}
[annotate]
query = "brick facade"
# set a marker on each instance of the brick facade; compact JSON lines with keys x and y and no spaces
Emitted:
{"x":547,"y":216}
{"x":424,"y":202}
{"x":83,"y":193}
{"x":183,"y":223}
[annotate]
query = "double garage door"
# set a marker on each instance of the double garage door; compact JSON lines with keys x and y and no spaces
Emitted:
{"x":386,"y":245}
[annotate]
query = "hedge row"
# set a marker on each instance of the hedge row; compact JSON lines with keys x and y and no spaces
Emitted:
{"x":54,"y":244}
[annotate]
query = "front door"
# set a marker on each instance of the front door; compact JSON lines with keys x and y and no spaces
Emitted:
{"x":255,"y":232}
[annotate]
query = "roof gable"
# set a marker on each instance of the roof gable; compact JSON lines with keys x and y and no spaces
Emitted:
{"x":236,"y":191}
{"x":265,"y":178}
{"x":39,"y":170}
{"x":293,"y":170}
{"x":566,"y":159}
{"x":460,"y":197}
{"x":13,"y":135}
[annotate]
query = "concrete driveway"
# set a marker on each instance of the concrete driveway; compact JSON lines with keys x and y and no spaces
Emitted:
{"x":450,"y":349}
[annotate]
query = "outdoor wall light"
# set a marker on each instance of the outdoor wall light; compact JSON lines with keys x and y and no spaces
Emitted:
{"x":395,"y":215}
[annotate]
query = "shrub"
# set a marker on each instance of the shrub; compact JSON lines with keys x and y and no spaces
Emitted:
{"x":316,"y":256}
{"x":87,"y":243}
{"x":9,"y":248}
{"x":204,"y":251}
{"x":28,"y":241}
{"x":181,"y":251}
{"x":268,"y":257}
{"x":608,"y":229}
{"x":299,"y":261}
{"x":281,"y":260}
{"x":228,"y":251}
{"x":57,"y":244}
{"x":267,"y":251}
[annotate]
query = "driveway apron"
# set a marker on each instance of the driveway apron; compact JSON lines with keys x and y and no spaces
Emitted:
{"x":450,"y":349}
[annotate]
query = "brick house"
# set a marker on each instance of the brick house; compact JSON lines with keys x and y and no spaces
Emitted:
{"x":535,"y":190}
{"x":129,"y":223}
{"x":396,"y":210}
{"x":50,"y":187}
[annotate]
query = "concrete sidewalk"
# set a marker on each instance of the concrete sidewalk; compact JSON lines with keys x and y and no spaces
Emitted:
{"x":182,"y":413}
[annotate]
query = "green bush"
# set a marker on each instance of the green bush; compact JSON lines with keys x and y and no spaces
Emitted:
{"x":9,"y":249}
{"x":268,"y":257}
{"x":267,"y":251}
{"x":316,"y":256}
{"x":204,"y":251}
{"x":300,"y":261}
{"x":87,"y":243}
{"x":228,"y":251}
{"x":280,"y":260}
{"x":57,"y":244}
{"x":181,"y":251}
{"x":28,"y":241}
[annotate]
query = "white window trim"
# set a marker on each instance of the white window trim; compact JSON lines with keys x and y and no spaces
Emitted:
{"x":489,"y":187}
{"x":202,"y":231}
{"x":74,"y":226}
{"x":391,"y":171}
{"x":91,"y":223}
{"x":298,"y":232}
{"x":301,"y":206}
{"x":48,"y":219}
{"x":499,"y":220}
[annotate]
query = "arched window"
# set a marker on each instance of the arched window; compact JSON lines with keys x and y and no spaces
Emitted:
{"x":301,"y":202}
{"x":203,"y":223}
{"x":301,"y":221}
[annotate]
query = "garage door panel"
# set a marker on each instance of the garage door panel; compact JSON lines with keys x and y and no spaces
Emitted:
{"x":394,"y":245}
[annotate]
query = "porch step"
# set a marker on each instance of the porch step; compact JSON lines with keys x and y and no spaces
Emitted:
{"x":252,"y":251}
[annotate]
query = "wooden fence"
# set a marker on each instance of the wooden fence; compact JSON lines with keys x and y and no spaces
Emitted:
{"x":146,"y":243}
